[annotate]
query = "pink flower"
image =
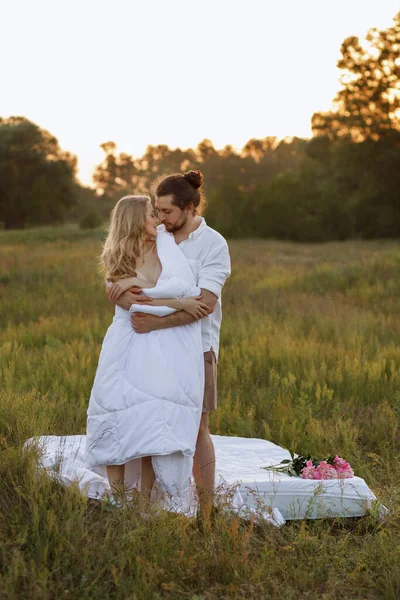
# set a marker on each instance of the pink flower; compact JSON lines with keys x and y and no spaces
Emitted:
{"x":325,"y":471}
{"x":340,"y":463}
{"x":308,"y":470}
{"x":308,"y":473}
{"x":345,"y":473}
{"x":343,"y":468}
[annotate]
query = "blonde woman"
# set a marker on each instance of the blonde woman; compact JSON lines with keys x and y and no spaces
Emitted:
{"x":146,"y":401}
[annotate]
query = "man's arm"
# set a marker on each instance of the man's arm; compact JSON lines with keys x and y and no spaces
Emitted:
{"x":215,"y":270}
{"x":143,"y":323}
{"x":124,"y":301}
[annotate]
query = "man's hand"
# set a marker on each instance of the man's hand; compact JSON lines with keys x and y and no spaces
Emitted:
{"x":144,"y":323}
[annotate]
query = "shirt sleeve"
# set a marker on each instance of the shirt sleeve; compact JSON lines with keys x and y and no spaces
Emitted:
{"x":215,"y":270}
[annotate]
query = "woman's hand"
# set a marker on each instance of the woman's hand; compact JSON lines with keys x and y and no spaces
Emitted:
{"x":116,"y":290}
{"x":195,"y":307}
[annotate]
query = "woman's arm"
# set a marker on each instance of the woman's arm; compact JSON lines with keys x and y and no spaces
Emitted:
{"x":176,"y":303}
{"x":191,"y":305}
{"x":117,"y":288}
{"x":129,"y":282}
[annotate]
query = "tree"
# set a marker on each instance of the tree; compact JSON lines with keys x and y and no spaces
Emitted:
{"x":259,"y":148}
{"x":368,"y":105}
{"x":205,"y":150}
{"x":121,"y":174}
{"x":116,"y":175}
{"x":161,"y":160}
{"x":37,"y":178}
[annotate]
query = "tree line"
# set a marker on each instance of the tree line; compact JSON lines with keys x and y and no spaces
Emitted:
{"x":342,"y":183}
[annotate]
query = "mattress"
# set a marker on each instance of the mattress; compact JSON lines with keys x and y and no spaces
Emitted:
{"x":242,"y":460}
{"x":240,"y":471}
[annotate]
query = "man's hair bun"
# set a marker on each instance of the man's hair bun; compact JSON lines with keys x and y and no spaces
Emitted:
{"x":195,"y":178}
{"x":185,"y":188}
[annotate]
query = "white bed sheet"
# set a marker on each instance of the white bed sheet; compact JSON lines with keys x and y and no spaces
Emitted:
{"x":239,"y":463}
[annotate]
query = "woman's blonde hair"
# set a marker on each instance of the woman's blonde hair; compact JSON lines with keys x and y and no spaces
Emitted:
{"x":124,"y":243}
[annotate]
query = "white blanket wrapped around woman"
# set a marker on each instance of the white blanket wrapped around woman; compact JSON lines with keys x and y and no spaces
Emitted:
{"x":147,"y":395}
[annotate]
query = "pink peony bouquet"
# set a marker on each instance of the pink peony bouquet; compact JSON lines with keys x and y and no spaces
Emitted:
{"x":308,"y":468}
{"x":340,"y":469}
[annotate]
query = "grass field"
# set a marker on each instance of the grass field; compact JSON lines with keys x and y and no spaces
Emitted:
{"x":310,"y":359}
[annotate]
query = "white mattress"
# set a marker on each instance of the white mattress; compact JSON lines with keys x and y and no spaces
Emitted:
{"x":242,"y":459}
{"x":239,"y":463}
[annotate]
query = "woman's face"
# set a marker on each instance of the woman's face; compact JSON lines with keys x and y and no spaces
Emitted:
{"x":150,"y":224}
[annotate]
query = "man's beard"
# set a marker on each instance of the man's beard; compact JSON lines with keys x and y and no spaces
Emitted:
{"x":177,"y":226}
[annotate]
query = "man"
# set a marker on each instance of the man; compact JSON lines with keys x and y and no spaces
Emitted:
{"x":179,"y":203}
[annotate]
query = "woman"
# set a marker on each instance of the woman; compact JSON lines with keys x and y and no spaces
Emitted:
{"x":146,"y":401}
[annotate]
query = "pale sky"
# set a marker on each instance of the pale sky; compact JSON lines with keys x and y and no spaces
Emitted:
{"x":174,"y":71}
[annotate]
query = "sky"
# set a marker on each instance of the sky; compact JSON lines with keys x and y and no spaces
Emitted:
{"x":172,"y":71}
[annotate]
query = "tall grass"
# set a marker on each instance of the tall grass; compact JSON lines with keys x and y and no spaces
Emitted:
{"x":310,"y":359}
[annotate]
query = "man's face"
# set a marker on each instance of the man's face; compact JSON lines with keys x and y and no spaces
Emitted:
{"x":170,"y":215}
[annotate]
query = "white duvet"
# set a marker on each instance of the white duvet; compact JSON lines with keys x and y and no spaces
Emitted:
{"x":148,"y":390}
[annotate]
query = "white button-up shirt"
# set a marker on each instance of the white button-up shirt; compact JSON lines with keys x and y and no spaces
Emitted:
{"x":208,"y":255}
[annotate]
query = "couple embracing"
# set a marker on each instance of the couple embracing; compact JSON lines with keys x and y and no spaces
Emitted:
{"x":155,"y":383}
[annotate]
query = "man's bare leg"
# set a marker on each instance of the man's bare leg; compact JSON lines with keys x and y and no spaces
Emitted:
{"x":204,"y":465}
{"x":116,"y":477}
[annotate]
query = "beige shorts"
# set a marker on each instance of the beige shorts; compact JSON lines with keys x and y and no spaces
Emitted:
{"x":210,"y":382}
